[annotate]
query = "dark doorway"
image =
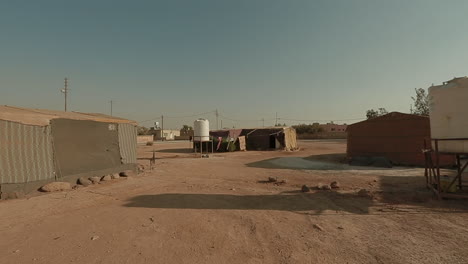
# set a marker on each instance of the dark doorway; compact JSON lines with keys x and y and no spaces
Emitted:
{"x":272,"y":141}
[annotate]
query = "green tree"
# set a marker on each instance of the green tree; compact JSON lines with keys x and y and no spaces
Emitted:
{"x":186,"y":128}
{"x":141,"y":130}
{"x":420,"y":102}
{"x":371,"y":113}
{"x":308,"y":129}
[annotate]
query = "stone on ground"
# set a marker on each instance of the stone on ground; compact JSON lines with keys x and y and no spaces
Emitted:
{"x":127,"y":173}
{"x":115,"y":176}
{"x":95,"y":179}
{"x":271,"y":179}
{"x":106,"y":178}
{"x":323,"y":187}
{"x":56,"y":187}
{"x":83,"y":181}
{"x":335,"y":185}
{"x":305,"y":188}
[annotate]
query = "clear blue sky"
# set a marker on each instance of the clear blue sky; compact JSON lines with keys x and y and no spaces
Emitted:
{"x":310,"y":60}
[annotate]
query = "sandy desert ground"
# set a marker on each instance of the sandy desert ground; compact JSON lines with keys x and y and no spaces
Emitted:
{"x":222,"y":210}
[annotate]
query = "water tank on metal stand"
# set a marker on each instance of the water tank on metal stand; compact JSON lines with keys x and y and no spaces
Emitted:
{"x":201,"y":130}
{"x":448,"y":113}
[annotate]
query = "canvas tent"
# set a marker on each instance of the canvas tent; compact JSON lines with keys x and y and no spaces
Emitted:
{"x":39,"y":146}
{"x":396,"y":136}
{"x":268,"y":138}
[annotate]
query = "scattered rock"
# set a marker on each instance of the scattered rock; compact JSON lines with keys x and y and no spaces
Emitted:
{"x":340,"y":227}
{"x":83,"y":181}
{"x":94,"y":238}
{"x":95,"y":179}
{"x":115,"y":176}
{"x":232,"y":189}
{"x":271,"y":179}
{"x":56,"y":186}
{"x":305,"y":188}
{"x":151,"y":219}
{"x":141,"y":168}
{"x":149,"y":143}
{"x":127,"y":173}
{"x":106,"y":178}
{"x":364,"y":193}
{"x":16,"y":251}
{"x":316,"y":226}
{"x":323,"y":187}
{"x":280,"y":182}
{"x":335,"y":185}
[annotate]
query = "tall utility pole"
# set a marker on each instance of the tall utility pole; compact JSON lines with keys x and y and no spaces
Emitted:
{"x":65,"y":92}
{"x":217,"y":115}
{"x":162,"y":128}
{"x":263,"y":122}
{"x":276,"y":119}
{"x":111,"y":106}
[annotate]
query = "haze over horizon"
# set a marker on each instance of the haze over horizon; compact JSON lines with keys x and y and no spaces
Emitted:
{"x":305,"y":60}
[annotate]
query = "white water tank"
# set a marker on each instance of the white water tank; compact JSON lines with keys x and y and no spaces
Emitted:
{"x":448,"y":113}
{"x":201,"y":130}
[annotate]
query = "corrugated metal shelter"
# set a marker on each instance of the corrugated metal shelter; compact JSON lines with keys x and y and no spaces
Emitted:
{"x":39,"y":146}
{"x":396,"y":136}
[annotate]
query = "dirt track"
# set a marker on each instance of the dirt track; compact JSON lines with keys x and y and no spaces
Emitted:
{"x":219,"y":210}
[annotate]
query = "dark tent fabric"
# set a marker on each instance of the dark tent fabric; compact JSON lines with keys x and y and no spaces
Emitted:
{"x":262,"y":138}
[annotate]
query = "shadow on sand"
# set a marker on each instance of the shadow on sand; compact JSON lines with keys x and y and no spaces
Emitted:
{"x":318,"y":202}
{"x":411,"y":190}
{"x":328,"y":162}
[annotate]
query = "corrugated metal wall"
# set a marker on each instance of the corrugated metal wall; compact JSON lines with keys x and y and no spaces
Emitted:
{"x":128,"y":143}
{"x":25,"y":153}
{"x":398,"y":137}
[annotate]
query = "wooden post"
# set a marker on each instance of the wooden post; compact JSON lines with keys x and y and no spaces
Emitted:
{"x":437,"y":165}
{"x":459,"y":172}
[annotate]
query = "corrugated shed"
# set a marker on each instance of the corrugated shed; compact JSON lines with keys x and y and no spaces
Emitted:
{"x":128,"y":143}
{"x":25,"y":153}
{"x":396,"y":136}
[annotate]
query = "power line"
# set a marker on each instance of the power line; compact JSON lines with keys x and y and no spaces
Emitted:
{"x":217,"y":117}
{"x":192,"y":115}
{"x":65,"y":92}
{"x":152,"y":119}
{"x":159,"y":118}
{"x":111,"y":106}
{"x":218,"y":114}
{"x":319,"y":120}
{"x":242,"y":120}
